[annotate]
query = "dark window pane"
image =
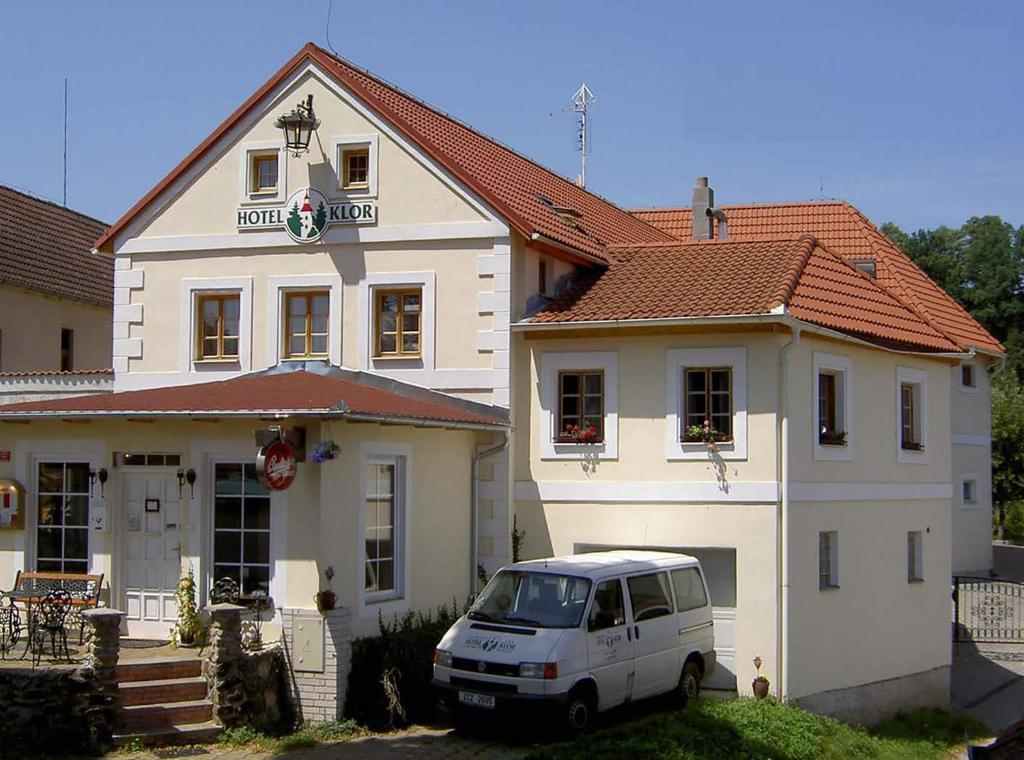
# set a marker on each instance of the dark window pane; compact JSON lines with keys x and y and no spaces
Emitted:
{"x":76,"y":567}
{"x":719,"y":404}
{"x":257,"y":547}
{"x":592,"y":407}
{"x":720,"y":380}
{"x":253,"y":486}
{"x":49,"y":543}
{"x":77,"y":476}
{"x":696,"y":381}
{"x":51,"y":510}
{"x":410,"y":343}
{"x":227,"y":512}
{"x":51,"y":478}
{"x":570,"y":383}
{"x":227,"y":546}
{"x":388,"y":344}
{"x":228,"y":479}
{"x":173,"y":460}
{"x":592,"y":383}
{"x":571,"y":406}
{"x":227,"y":571}
{"x":49,"y":566}
{"x":76,"y":510}
{"x":255,"y":579}
{"x":257,"y":513}
{"x":649,"y":596}
{"x":385,"y":575}
{"x":76,"y":543}
{"x":231,"y":347}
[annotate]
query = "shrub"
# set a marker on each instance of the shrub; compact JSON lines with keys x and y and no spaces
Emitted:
{"x":403,"y":654}
{"x":1013,"y":526}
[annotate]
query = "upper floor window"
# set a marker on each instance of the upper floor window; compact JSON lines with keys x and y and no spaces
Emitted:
{"x":306,"y":328}
{"x":580,"y":406}
{"x":263,"y":172}
{"x":828,"y":559}
{"x":399,"y":322}
{"x":67,"y":349}
{"x":915,"y":563}
{"x":218,"y":326}
{"x":707,"y":394}
{"x":910,"y":417}
{"x":355,"y":164}
{"x":831,"y":409}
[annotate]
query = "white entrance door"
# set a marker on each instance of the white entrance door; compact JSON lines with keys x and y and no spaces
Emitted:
{"x":152,"y":559}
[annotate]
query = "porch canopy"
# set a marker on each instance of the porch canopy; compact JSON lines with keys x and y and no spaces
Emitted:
{"x":295,"y":389}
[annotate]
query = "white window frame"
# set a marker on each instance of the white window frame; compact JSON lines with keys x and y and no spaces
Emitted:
{"x":975,"y":371}
{"x":842,"y":368}
{"x":340,"y":143}
{"x":920,"y":379}
{"x":368,"y":287}
{"x":191,"y":289}
{"x":246,"y":153}
{"x":278,"y":288}
{"x":397,"y":601}
{"x":915,"y":569}
{"x":678,"y":360}
{"x":833,"y":561}
{"x":970,"y":477}
{"x":551,"y":365}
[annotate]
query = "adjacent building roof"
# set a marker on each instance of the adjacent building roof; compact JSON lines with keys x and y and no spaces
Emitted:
{"x":847,"y":232}
{"x":745,"y":278}
{"x":323,"y":391}
{"x":534,"y":200}
{"x":47,"y":248}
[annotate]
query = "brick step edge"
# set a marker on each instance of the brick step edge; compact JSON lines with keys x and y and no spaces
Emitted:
{"x":153,"y":670}
{"x":162,"y":691}
{"x":185,"y":733}
{"x":140,"y":717}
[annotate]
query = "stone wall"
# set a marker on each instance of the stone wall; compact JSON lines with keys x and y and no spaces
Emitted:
{"x":247,"y":688}
{"x":319,"y":650}
{"x":64,"y":710}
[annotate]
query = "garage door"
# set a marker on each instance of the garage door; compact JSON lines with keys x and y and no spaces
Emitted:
{"x":720,"y":569}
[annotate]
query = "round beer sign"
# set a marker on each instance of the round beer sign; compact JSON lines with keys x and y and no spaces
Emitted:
{"x":275,"y":465}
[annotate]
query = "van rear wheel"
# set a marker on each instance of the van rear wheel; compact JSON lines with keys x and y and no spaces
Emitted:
{"x":689,"y":682}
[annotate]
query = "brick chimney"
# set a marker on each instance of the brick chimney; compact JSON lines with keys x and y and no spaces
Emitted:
{"x":703,"y":199}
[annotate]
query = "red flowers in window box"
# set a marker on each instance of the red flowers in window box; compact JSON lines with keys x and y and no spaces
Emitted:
{"x":832,"y":437}
{"x":579,"y":434}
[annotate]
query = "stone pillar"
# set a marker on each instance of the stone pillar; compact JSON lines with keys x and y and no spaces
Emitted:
{"x":223,"y":667}
{"x":319,"y":650}
{"x":103,"y":646}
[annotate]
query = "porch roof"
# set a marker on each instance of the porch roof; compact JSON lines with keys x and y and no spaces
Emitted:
{"x":310,"y":389}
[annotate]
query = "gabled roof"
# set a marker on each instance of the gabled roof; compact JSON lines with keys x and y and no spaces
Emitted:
{"x":47,"y":248}
{"x":523,"y":192}
{"x":329,"y":392}
{"x":845,"y":231}
{"x":745,"y":278}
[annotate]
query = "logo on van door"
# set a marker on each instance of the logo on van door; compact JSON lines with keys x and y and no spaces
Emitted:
{"x":490,"y":644}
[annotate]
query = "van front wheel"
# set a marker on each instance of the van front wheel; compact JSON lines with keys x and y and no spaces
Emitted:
{"x":689,"y":682}
{"x":578,"y":713}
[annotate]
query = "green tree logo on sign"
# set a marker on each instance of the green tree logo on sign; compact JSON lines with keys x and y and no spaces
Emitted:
{"x":304,"y":225}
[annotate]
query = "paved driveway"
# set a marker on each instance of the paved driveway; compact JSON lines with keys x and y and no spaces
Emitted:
{"x":988,"y":683}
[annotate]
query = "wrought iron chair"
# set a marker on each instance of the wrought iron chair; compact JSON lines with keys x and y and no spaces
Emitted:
{"x":50,"y":617}
{"x":10,"y":627}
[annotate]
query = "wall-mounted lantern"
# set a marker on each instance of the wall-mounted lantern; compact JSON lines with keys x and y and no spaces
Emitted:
{"x":298,"y":127}
{"x":187,"y":476}
{"x":101,"y":475}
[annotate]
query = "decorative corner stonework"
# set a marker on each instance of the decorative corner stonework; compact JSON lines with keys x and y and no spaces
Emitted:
{"x":321,"y":678}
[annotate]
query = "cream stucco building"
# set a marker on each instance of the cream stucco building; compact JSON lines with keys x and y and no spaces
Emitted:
{"x":483,"y":339}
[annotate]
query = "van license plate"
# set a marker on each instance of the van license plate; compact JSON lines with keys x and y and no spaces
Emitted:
{"x":477,"y":700}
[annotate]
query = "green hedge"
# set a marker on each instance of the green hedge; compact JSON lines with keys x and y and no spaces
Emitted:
{"x":404,"y":651}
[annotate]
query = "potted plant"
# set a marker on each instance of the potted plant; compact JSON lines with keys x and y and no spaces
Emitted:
{"x":832,"y":437}
{"x":326,"y":598}
{"x":705,"y":434}
{"x":760,"y":684}
{"x":325,"y":451}
{"x":582,"y":433}
{"x":187,"y":629}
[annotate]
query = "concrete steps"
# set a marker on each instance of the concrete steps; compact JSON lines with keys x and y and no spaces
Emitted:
{"x":164,"y":702}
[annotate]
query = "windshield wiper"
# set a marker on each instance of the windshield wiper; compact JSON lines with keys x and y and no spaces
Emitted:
{"x":476,"y":615}
{"x":523,"y":620}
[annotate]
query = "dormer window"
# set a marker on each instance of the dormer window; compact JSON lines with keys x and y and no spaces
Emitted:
{"x":867,"y":266}
{"x":263,"y":173}
{"x":355,"y":168}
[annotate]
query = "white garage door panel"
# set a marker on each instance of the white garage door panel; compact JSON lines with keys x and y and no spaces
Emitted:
{"x":724,"y":674}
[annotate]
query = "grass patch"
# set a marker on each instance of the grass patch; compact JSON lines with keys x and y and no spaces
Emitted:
{"x":748,"y":728}
{"x":307,"y":735}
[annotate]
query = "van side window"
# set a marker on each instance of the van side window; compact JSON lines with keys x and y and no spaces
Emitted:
{"x":689,"y":589}
{"x":649,"y":596}
{"x":608,"y":609}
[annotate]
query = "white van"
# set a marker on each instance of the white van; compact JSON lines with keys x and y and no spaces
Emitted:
{"x":580,"y":634}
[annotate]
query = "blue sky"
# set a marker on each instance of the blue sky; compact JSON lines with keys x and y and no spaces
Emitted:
{"x":910,"y":109}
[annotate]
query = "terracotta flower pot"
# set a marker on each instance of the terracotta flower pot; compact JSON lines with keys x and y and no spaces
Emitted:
{"x":325,"y":600}
{"x":760,"y":687}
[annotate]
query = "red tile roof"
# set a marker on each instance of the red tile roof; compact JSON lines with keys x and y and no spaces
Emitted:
{"x":293,"y":392}
{"x":744,"y":278}
{"x":845,"y":231}
{"x":47,"y":248}
{"x":512,"y":184}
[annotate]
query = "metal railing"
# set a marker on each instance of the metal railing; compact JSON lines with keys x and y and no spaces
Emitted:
{"x":987,"y":610}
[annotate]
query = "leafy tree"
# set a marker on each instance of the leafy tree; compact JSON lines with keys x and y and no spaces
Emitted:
{"x":1007,"y":442}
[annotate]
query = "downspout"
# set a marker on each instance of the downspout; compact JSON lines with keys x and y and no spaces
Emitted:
{"x":475,"y":522}
{"x":782,"y":520}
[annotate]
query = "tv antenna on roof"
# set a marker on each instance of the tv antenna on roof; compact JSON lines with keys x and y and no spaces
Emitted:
{"x":581,"y":100}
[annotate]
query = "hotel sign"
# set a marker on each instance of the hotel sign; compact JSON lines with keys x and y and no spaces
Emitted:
{"x":306,"y":215}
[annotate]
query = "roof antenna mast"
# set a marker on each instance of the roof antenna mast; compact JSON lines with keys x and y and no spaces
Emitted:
{"x":581,"y":100}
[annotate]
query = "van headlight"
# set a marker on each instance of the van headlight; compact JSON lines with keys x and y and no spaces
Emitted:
{"x":443,"y":658}
{"x":545,"y":670}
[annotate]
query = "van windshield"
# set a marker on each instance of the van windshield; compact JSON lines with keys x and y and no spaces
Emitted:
{"x":539,"y":600}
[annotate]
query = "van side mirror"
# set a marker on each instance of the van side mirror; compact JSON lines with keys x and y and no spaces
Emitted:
{"x":600,"y":620}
